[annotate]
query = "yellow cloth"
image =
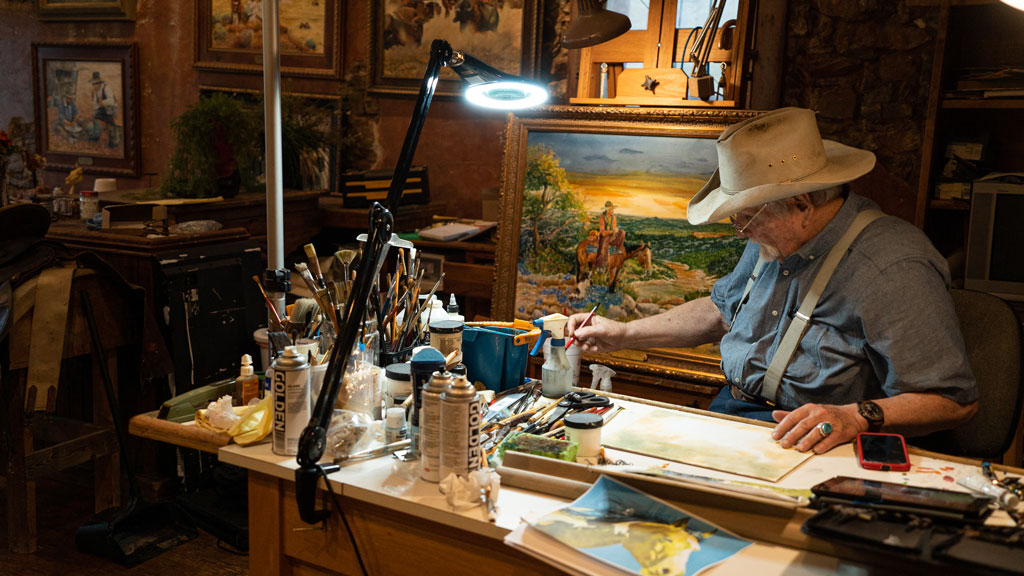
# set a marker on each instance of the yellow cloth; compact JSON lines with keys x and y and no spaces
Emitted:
{"x":253,"y":426}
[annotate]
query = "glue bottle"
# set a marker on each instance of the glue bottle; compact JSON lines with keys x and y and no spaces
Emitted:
{"x":453,"y":309}
{"x":556,"y":373}
{"x":247,"y":385}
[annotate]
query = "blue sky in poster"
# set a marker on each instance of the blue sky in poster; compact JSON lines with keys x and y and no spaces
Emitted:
{"x":617,"y":153}
{"x":610,"y":507}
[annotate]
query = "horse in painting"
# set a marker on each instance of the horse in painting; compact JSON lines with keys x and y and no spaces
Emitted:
{"x":586,"y":259}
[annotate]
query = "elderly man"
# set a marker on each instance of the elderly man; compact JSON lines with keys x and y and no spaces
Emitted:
{"x":836,"y":320}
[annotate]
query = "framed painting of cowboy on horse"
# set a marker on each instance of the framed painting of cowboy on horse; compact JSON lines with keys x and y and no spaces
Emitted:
{"x":593,"y":213}
{"x":503,"y":33}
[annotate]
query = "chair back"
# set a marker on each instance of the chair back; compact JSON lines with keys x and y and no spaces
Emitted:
{"x":992,"y":337}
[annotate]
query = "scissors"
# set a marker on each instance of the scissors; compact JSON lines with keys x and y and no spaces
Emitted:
{"x":575,"y":401}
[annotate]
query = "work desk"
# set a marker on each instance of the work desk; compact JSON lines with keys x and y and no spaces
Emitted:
{"x":403,"y":525}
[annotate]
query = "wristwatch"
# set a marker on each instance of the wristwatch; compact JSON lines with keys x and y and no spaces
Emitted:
{"x":871,"y":412}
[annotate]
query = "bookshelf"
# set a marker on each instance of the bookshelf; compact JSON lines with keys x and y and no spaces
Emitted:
{"x":972,"y":34}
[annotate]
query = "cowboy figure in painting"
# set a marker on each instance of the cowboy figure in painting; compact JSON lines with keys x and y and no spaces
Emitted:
{"x":608,"y":233}
{"x":104,"y":111}
{"x":826,"y":346}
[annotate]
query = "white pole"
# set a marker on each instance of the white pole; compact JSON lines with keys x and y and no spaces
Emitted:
{"x":272,"y":119}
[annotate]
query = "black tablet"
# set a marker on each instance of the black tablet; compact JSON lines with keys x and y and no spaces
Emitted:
{"x":892,"y":496}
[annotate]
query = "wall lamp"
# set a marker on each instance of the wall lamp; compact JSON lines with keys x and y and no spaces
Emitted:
{"x":594,"y":25}
{"x":486,"y":87}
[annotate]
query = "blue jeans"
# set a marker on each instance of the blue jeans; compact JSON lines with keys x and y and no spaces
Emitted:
{"x":724,"y":403}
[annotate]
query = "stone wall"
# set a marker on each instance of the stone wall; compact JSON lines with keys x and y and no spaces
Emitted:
{"x":865,"y":67}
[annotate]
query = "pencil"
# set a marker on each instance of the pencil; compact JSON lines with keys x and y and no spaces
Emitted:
{"x":582,"y":324}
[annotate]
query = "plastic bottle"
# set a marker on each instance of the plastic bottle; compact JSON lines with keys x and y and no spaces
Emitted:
{"x":247,"y":385}
{"x":556,"y":373}
{"x":453,"y":309}
{"x":433,"y":312}
{"x":394,"y":425}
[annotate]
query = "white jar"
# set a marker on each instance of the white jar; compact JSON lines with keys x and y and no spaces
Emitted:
{"x":584,"y":428}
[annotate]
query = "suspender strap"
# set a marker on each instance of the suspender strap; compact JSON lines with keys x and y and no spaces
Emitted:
{"x":750,"y":284}
{"x":802,"y":318}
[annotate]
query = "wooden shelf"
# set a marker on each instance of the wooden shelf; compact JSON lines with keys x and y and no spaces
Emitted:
{"x":984,"y":103}
{"x":937,"y":204}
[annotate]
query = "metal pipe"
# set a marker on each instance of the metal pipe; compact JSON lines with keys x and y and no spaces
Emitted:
{"x":272,"y":166}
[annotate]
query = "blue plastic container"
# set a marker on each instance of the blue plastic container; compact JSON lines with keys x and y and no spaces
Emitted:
{"x":491,"y":357}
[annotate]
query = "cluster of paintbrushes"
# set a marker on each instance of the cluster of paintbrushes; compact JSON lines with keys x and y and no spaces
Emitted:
{"x":529,"y":415}
{"x":322,"y":314}
{"x":398,"y":309}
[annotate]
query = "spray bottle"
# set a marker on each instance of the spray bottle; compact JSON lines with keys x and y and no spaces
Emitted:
{"x":556,"y":373}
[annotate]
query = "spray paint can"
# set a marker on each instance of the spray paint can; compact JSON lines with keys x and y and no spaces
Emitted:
{"x":430,"y":425}
{"x":290,"y":387}
{"x":461,"y":415}
{"x":422,"y":365}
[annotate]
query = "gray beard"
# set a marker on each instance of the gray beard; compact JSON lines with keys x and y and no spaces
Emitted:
{"x":769,"y":253}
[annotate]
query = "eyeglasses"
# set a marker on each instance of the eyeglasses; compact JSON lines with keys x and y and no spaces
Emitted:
{"x":739,"y":218}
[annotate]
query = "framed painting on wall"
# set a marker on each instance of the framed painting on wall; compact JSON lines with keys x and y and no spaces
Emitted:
{"x":87,"y":106}
{"x":229,"y":37}
{"x":593,"y":213}
{"x":504,"y":35}
{"x":86,"y":10}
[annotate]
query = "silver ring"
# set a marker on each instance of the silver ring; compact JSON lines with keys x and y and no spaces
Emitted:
{"x":825,"y":428}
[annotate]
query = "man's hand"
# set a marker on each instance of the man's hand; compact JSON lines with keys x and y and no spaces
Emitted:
{"x":799,"y":428}
{"x":599,"y":335}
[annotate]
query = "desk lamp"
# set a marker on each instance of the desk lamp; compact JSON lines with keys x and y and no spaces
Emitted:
{"x":486,"y":87}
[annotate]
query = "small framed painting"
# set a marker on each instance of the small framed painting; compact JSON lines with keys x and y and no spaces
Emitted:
{"x":503,"y":34}
{"x":229,"y":37}
{"x":86,"y":10}
{"x":87,"y":106}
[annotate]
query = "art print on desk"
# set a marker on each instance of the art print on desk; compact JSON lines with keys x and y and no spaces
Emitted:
{"x":229,"y":36}
{"x":725,"y":445}
{"x":86,"y":106}
{"x":593,"y":213}
{"x":637,"y":533}
{"x":504,"y":35}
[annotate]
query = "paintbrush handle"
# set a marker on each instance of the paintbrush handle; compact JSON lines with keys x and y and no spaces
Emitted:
{"x":314,"y":264}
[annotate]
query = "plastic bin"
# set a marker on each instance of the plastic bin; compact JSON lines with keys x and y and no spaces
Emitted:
{"x":491,"y":357}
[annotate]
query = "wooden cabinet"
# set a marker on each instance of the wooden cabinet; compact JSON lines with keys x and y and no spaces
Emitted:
{"x":972,"y":35}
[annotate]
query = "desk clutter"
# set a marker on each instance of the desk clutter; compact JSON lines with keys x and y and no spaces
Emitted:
{"x":443,"y":402}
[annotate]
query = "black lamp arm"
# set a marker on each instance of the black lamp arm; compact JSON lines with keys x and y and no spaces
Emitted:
{"x":313,"y":441}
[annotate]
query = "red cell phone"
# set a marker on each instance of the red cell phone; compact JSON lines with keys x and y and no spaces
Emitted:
{"x":885,"y":452}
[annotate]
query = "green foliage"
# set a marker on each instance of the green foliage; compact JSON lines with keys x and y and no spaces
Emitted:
{"x":544,"y":171}
{"x":553,"y":211}
{"x":192,"y":172}
{"x":303,"y":133}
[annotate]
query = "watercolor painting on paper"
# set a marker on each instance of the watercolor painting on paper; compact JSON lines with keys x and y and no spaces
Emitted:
{"x":724,"y":445}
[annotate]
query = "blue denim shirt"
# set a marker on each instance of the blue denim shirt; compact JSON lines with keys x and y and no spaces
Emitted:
{"x":884,"y":325}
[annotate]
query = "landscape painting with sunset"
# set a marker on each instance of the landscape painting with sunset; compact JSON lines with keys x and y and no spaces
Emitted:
{"x":604,"y":223}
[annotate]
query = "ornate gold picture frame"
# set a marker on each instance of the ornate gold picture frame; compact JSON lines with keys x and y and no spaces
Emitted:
{"x":592,"y":212}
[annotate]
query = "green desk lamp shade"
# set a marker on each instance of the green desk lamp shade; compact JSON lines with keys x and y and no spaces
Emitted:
{"x":594,"y":25}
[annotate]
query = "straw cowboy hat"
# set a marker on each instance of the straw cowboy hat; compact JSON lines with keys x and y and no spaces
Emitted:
{"x":776,"y":155}
{"x":608,"y":204}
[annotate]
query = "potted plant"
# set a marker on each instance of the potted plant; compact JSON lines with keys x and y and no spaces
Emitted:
{"x":214,"y":153}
